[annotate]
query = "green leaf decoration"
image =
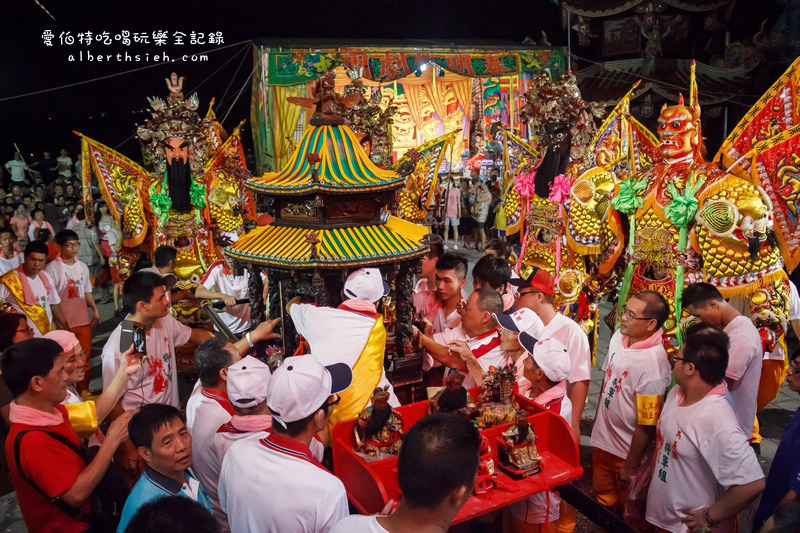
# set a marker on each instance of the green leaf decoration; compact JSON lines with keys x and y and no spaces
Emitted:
{"x":627,"y":201}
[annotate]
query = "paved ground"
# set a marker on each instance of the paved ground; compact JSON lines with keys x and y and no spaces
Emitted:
{"x":773,"y":419}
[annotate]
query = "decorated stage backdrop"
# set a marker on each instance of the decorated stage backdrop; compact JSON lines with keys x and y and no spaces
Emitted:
{"x":431,"y":102}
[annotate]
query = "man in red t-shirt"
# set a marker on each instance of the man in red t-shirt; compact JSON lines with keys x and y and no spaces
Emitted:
{"x":54,"y":484}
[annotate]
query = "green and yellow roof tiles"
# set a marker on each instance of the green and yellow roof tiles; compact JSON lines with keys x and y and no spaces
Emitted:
{"x":277,"y":245}
{"x":343,"y":166}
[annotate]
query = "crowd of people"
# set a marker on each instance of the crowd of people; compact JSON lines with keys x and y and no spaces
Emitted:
{"x":39,"y":199}
{"x":469,"y":209}
{"x":670,"y":437}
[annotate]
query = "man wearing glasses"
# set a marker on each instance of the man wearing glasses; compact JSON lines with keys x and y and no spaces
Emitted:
{"x":705,"y":473}
{"x":303,"y":495}
{"x":637,"y":373}
{"x":74,"y":287}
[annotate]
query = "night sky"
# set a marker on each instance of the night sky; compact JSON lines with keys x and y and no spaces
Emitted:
{"x":107,"y":110}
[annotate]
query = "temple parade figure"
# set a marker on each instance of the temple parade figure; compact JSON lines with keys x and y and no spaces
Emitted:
{"x":568,"y":229}
{"x":192,"y":197}
{"x":692,"y":221}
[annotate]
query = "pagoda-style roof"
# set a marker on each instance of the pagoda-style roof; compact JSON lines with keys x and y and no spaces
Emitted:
{"x":343,"y":167}
{"x":606,"y":83}
{"x":353,"y":246}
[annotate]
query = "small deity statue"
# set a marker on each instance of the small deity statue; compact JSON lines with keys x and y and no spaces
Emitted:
{"x":498,"y":385}
{"x":496,"y":403}
{"x":519,"y":452}
{"x":379,"y":429}
{"x":330,"y":107}
{"x":452,"y":398}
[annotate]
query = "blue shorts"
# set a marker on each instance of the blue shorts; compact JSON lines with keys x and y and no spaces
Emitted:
{"x":453,"y":221}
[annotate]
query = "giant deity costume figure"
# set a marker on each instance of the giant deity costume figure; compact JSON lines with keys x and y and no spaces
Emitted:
{"x":569,"y":229}
{"x":192,"y":197}
{"x":691,"y":221}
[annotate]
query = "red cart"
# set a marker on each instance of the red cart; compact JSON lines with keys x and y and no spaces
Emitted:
{"x":370,"y":485}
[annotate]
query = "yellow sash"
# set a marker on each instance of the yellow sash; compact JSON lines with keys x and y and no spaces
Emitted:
{"x":82,"y":418}
{"x":36,"y":313}
{"x":366,"y":376}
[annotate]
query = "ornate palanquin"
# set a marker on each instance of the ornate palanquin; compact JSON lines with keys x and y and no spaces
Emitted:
{"x":329,"y":205}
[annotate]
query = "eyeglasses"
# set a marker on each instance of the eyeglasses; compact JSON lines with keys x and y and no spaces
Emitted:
{"x":627,"y":313}
{"x":520,"y":294}
{"x":792,"y":370}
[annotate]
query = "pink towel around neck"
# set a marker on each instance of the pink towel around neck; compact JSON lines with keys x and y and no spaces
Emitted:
{"x":30,"y":298}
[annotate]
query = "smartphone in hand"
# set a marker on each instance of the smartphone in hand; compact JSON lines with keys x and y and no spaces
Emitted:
{"x":133,"y":334}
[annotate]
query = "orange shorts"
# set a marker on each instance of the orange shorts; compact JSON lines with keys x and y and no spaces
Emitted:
{"x":605,"y":478}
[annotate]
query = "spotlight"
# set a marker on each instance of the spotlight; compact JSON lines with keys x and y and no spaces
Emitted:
{"x":423,"y":67}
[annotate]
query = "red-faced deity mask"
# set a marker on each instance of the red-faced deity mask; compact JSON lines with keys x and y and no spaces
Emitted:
{"x":678,"y":130}
{"x":177,"y":149}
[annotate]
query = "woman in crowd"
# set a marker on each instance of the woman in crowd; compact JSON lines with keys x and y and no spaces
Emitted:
{"x":20,"y":223}
{"x":480,"y":212}
{"x":37,"y":224}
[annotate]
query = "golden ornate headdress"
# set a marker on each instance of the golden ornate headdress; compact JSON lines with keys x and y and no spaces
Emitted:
{"x":549,"y":104}
{"x":175,"y":119}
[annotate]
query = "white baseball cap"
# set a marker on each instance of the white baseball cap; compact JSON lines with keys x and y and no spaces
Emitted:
{"x":549,"y":354}
{"x":366,"y":284}
{"x":521,"y":320}
{"x":301,"y":385}
{"x":248,"y":382}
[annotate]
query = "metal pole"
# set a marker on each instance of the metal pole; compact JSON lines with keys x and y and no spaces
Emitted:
{"x":283,"y":329}
{"x":569,"y":42}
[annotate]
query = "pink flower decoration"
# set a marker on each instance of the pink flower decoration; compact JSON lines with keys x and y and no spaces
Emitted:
{"x":524,"y":184}
{"x":559,"y":191}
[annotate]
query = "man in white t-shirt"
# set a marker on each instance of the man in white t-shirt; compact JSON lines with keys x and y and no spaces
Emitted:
{"x":637,"y":373}
{"x":705,"y":473}
{"x":436,"y":471}
{"x":17,"y":167}
{"x":9,"y":258}
{"x":353,"y":334}
{"x":473,"y":346}
{"x":745,"y":355}
{"x":221,"y":283}
{"x":439,"y":304}
{"x":536,"y":290}
{"x":303,"y":495}
{"x":144,"y":297}
{"x":207,"y":410}
{"x":74,"y":287}
{"x":64,"y":164}
{"x":546,"y":368}
{"x":30,"y":291}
